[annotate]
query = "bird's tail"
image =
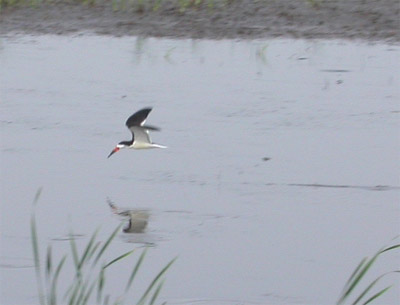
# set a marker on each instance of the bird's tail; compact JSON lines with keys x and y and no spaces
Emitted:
{"x":158,"y":145}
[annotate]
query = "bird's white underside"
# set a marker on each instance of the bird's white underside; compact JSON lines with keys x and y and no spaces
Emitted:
{"x":142,"y":139}
{"x":145,"y":145}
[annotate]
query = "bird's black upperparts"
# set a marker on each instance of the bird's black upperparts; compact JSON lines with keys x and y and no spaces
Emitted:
{"x":138,"y":118}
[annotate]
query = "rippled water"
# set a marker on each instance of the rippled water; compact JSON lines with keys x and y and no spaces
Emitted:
{"x":281,"y":171}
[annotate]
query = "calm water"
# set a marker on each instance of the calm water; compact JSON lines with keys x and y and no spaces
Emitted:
{"x":282,"y":170}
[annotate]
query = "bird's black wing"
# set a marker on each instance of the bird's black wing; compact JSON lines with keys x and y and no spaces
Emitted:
{"x":138,"y":118}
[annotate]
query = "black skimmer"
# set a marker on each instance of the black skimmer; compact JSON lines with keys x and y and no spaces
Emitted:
{"x":140,"y":133}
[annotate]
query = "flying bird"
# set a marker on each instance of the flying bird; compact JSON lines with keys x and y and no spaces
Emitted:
{"x":140,"y":133}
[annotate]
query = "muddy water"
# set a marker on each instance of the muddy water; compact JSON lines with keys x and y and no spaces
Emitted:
{"x":281,"y":171}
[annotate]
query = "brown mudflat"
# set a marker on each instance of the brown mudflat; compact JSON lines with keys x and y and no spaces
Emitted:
{"x":374,"y":20}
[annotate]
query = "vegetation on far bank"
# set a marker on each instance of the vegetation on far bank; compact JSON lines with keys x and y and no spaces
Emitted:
{"x":143,"y":5}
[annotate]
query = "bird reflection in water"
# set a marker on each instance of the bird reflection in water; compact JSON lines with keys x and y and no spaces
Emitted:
{"x":137,"y":218}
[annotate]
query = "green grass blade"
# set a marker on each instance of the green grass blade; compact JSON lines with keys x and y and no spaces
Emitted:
{"x":100,"y":286}
{"x":74,"y":291}
{"x":369,"y":287}
{"x":119,"y":258}
{"x":346,"y":286}
{"x":357,"y":278}
{"x":106,"y":244}
{"x":48,"y":272}
{"x":37,"y":196}
{"x":377,"y":295}
{"x":36,"y":257}
{"x":86,"y":252}
{"x":156,"y":293}
{"x":88,"y":294}
{"x":48,"y":263}
{"x":80,"y":295}
{"x":93,"y":250}
{"x":144,"y":297}
{"x":82,"y":292}
{"x":135,"y":270}
{"x":75,"y":255}
{"x":373,"y":284}
{"x":53,"y":290}
{"x":390,"y":248}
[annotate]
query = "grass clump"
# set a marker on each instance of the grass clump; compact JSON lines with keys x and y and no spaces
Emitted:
{"x":90,"y":268}
{"x":366,"y":296}
{"x":4,"y":3}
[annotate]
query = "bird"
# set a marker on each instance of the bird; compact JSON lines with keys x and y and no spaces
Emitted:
{"x":140,"y":133}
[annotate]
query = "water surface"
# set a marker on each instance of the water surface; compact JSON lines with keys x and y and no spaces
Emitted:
{"x":281,"y":172}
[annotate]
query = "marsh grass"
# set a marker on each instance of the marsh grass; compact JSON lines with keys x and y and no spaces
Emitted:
{"x":141,"y":6}
{"x":154,"y":5}
{"x":4,"y":3}
{"x":90,"y":268}
{"x":182,"y":6}
{"x":315,"y":3}
{"x":356,"y":279}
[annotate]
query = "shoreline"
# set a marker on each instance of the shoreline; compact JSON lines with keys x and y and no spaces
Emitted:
{"x":367,"y":20}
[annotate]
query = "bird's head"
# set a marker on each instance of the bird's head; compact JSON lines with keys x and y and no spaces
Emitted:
{"x":119,"y":146}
